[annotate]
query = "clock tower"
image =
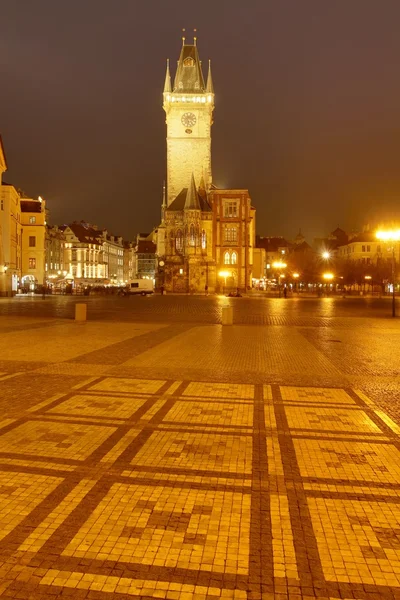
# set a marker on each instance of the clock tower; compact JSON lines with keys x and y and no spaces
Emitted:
{"x":188,"y":105}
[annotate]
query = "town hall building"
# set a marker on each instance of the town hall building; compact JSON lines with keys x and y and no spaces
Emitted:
{"x":206,"y":237}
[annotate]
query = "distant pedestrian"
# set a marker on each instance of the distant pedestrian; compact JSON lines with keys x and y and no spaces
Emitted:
{"x":162,"y":290}
{"x":206,"y":290}
{"x":285,"y":291}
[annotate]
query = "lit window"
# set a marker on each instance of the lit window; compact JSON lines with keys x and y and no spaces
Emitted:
{"x":234,"y":258}
{"x":227,"y":258}
{"x":230,"y":234}
{"x":32,"y":241}
{"x":231,"y":209}
{"x":32,"y":263}
{"x":192,"y":235}
{"x":203,"y":239}
{"x":188,"y":62}
{"x":32,"y":220}
{"x":179,"y":241}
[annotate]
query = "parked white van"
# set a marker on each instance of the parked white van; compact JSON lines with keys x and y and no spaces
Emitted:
{"x":139,"y":286}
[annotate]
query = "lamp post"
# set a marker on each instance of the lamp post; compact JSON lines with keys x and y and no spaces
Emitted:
{"x":392,"y":236}
{"x":224,"y":274}
{"x":280,"y":266}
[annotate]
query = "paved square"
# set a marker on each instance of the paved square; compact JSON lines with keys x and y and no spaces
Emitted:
{"x":119,"y":486}
{"x":167,"y":527}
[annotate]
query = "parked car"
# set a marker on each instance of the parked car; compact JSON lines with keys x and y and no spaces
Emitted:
{"x":138,"y":286}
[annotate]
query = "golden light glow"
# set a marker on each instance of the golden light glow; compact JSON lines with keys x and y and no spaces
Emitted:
{"x":296,"y":275}
{"x":367,"y":277}
{"x":326,"y":254}
{"x":223,"y":274}
{"x":328,"y":276}
{"x":279,"y":265}
{"x":391,"y":235}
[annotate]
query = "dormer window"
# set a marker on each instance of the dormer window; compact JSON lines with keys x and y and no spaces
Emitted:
{"x":181,"y":85}
{"x":197,"y":85}
{"x":188,"y":62}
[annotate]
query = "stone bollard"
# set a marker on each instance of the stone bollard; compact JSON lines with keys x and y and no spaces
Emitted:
{"x":80,"y":312}
{"x":227,"y":315}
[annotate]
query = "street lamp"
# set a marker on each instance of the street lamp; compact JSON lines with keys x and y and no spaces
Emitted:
{"x":391,"y":236}
{"x":326,"y":255}
{"x":279,"y":265}
{"x":224,"y":274}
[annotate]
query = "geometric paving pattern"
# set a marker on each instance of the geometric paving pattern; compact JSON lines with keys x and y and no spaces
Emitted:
{"x":141,"y":488}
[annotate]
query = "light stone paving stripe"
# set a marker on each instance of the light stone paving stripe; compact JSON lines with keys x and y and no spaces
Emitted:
{"x":40,"y":535}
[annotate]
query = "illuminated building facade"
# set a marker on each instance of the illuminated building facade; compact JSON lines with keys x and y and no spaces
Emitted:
{"x":192,"y":240}
{"x":33,"y":221}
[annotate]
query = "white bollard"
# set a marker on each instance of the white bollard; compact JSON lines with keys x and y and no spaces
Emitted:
{"x":227,"y":315}
{"x":80,"y":312}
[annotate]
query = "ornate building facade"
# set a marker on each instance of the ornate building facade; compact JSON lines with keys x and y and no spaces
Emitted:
{"x":201,"y":226}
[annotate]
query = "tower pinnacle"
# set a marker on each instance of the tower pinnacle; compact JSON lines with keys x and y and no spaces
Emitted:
{"x":167,"y":84}
{"x":210,"y":86}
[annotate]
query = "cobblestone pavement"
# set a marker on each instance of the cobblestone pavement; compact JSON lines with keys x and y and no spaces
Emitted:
{"x":195,"y":462}
{"x":298,"y":311}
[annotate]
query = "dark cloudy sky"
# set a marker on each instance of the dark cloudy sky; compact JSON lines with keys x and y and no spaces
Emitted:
{"x":307,"y":106}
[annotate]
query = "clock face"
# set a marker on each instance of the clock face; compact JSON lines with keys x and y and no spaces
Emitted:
{"x":188,"y":119}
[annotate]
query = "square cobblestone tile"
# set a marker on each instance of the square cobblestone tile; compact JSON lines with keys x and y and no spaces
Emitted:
{"x":143,"y":386}
{"x":99,"y":406}
{"x":197,"y":451}
{"x":330,"y":419}
{"x":64,"y":440}
{"x":348,"y":460}
{"x":167,"y":527}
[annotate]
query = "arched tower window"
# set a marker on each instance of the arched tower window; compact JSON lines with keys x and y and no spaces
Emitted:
{"x":203,"y":239}
{"x":179,"y":241}
{"x":234,"y":258}
{"x":192,"y":235}
{"x":227,"y":258}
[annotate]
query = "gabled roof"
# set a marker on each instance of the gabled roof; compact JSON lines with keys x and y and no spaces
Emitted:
{"x":179,"y":203}
{"x":84,"y":233}
{"x":189,"y":76}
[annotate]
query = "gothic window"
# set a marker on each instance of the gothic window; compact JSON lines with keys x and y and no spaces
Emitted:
{"x":179,"y":241}
{"x":227,"y":258}
{"x":234,"y":258}
{"x":230,"y":234}
{"x":203,"y":239}
{"x":197,"y":85}
{"x":188,"y":62}
{"x":180,"y":85}
{"x":192,"y":235}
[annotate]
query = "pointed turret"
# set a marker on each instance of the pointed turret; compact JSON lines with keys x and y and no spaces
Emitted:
{"x":189,"y":76}
{"x":164,"y":204}
{"x":210,"y":85}
{"x":167,"y":84}
{"x":192,"y":199}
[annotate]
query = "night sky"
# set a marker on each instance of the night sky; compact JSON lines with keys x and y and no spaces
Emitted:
{"x":307,"y":107}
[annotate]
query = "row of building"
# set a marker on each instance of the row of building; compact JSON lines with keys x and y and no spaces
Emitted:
{"x":34,"y":254}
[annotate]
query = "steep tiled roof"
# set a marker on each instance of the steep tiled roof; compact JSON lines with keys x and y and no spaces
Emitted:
{"x":189,"y":79}
{"x":179,"y":203}
{"x":271,"y":244}
{"x":145,"y":247}
{"x":31,"y":206}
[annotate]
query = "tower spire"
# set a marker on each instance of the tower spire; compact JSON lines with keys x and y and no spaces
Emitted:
{"x":192,"y":199}
{"x":210,"y":86}
{"x":167,"y":84}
